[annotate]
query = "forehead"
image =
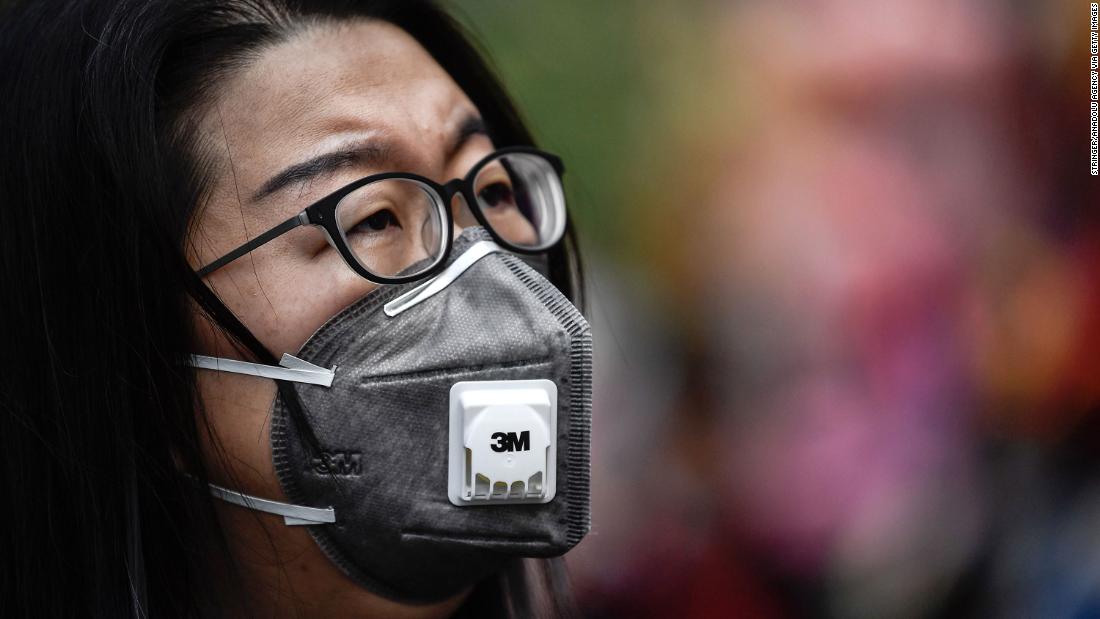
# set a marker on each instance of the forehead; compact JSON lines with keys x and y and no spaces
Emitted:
{"x":328,"y":81}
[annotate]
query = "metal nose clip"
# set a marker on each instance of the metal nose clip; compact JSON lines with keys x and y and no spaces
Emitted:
{"x":439,"y":283}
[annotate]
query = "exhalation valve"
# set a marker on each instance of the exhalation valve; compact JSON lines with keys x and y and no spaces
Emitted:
{"x":502,"y":446}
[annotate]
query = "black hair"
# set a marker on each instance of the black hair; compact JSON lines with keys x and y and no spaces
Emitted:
{"x":100,"y":183}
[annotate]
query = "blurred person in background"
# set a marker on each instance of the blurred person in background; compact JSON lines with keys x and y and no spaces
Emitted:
{"x":903,"y":298}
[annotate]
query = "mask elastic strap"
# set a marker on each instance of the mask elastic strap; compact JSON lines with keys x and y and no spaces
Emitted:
{"x":292,"y":514}
{"x":437,"y":284}
{"x":293,"y":369}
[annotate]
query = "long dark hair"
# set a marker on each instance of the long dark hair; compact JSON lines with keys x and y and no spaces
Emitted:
{"x":100,"y":183}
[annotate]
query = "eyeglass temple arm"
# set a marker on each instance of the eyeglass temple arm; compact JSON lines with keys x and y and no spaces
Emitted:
{"x":282,"y":228}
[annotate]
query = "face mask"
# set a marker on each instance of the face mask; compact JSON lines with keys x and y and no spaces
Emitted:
{"x":454,"y":428}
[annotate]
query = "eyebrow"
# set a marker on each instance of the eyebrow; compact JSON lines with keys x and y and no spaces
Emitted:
{"x":365,"y":154}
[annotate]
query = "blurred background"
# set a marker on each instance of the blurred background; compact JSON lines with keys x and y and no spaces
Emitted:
{"x":843,"y":263}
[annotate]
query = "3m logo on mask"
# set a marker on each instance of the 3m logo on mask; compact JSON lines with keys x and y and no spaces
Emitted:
{"x":511,"y":442}
{"x":502,"y":447}
{"x":345,"y":463}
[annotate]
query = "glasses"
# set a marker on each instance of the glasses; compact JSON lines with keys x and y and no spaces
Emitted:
{"x":396,"y":227}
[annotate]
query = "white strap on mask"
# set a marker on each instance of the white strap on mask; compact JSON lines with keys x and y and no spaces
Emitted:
{"x":293,"y":369}
{"x":292,"y":514}
{"x":437,"y":284}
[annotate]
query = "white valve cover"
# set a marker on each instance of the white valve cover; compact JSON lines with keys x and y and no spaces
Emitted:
{"x":502,"y":442}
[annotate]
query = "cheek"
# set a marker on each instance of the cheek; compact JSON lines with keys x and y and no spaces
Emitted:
{"x":235,"y":435}
{"x":233,"y":423}
{"x":283,"y":302}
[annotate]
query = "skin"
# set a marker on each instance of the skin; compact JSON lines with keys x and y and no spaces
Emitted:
{"x":326,"y":87}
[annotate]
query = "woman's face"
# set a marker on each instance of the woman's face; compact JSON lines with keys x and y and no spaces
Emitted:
{"x":369,"y":94}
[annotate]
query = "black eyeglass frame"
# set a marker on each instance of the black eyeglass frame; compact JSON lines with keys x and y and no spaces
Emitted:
{"x":322,"y":213}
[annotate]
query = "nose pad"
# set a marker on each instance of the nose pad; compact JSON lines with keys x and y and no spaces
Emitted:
{"x":463,"y":216}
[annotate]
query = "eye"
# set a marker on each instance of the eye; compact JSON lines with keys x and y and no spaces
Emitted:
{"x":377,"y":221}
{"x":496,"y":193}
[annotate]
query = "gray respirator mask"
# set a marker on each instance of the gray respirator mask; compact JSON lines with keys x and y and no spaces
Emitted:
{"x":453,"y":417}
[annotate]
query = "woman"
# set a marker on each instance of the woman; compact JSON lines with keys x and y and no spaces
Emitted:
{"x":227,"y":389}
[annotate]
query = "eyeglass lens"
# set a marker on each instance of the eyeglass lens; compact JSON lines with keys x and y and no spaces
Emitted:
{"x":521,"y":197}
{"x":392,"y":224}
